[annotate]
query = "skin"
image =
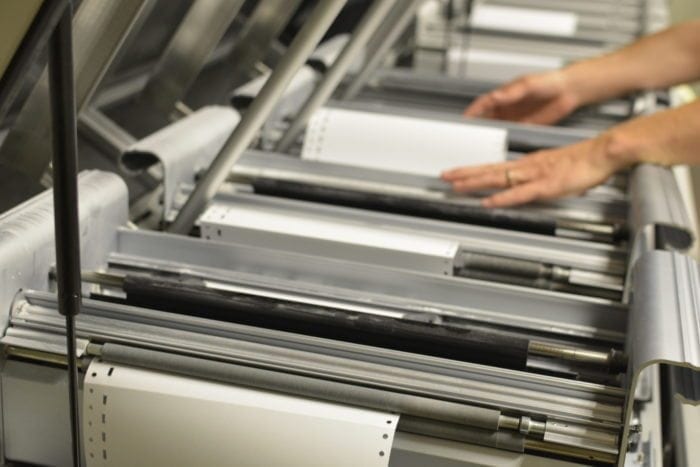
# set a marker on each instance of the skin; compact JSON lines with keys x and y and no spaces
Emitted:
{"x":666,"y":138}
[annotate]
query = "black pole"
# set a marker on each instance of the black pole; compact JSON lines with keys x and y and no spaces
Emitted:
{"x":65,"y":199}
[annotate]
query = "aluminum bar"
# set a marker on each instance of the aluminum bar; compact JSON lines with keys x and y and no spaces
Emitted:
{"x":368,"y":25}
{"x":103,"y":132}
{"x":397,"y":24}
{"x":423,"y":407}
{"x":99,"y":29}
{"x":187,"y":52}
{"x":41,"y":19}
{"x":263,"y":26}
{"x":306,"y":41}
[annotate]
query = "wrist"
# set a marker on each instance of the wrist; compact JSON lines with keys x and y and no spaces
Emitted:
{"x":619,"y":150}
{"x":582,"y":81}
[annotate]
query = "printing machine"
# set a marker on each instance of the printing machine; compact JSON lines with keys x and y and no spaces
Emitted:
{"x":325,"y":314}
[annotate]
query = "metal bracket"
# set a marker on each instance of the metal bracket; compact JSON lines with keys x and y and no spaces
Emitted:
{"x":657,"y":213}
{"x":664,"y":323}
{"x":182,"y":147}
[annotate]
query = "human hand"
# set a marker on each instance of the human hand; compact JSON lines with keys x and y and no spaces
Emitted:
{"x":543,"y":175}
{"x":543,"y":98}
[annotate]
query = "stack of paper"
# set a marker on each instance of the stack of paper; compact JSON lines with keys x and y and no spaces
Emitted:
{"x":528,"y":20}
{"x":400,"y":144}
{"x":477,"y":63}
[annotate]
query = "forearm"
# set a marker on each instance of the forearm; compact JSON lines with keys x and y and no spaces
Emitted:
{"x":665,"y":138}
{"x":664,"y":59}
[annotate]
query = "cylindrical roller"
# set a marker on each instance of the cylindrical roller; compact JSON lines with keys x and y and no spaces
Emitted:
{"x":507,"y":440}
{"x":503,"y":265}
{"x":502,"y":218}
{"x":614,"y":359}
{"x":192,"y":297}
{"x":303,"y":386}
{"x":540,"y":283}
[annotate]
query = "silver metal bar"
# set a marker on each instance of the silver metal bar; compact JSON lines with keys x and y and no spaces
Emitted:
{"x":369,"y":24}
{"x":518,"y":392}
{"x":510,"y":441}
{"x":187,"y":52}
{"x":99,"y":31}
{"x":104,"y":133}
{"x":302,"y":46}
{"x":549,"y":313}
{"x":574,"y":354}
{"x":395,"y":27}
{"x":264,"y":25}
{"x":423,"y":407}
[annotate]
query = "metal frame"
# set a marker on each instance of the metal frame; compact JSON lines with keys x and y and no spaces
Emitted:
{"x":186,"y":54}
{"x":489,"y":302}
{"x":666,"y":325}
{"x":99,"y":31}
{"x":302,"y":46}
{"x":371,"y":20}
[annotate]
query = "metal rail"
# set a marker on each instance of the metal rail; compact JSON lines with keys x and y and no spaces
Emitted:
{"x":371,"y":20}
{"x":100,"y":30}
{"x":187,"y":52}
{"x":395,"y":26}
{"x":302,"y":46}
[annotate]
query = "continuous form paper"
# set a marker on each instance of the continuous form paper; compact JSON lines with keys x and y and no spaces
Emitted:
{"x":531,"y":20}
{"x":134,"y":417}
{"x":399,"y":144}
{"x":478,"y":63}
{"x":319,"y":235}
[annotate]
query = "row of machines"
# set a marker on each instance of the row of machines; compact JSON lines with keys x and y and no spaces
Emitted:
{"x":332,"y":301}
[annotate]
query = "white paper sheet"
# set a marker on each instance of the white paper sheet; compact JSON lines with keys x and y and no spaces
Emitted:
{"x":327,"y":236}
{"x":134,"y":417}
{"x":398,"y":143}
{"x":530,"y":20}
{"x":477,"y":63}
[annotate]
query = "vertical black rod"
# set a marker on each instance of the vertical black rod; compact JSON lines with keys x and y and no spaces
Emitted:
{"x":65,"y":200}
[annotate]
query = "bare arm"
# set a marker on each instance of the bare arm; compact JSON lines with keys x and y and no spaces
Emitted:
{"x":663,"y":59}
{"x":669,"y":57}
{"x":665,"y":138}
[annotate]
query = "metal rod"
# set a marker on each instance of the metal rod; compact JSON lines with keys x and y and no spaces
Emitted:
{"x":100,"y":29}
{"x":613,"y":358}
{"x":395,"y":27}
{"x":103,"y":278}
{"x":371,"y":20}
{"x":260,"y":31}
{"x":304,"y":386}
{"x":65,"y":197}
{"x":35,"y":39}
{"x":514,"y":442}
{"x":186,"y":54}
{"x":246,"y":130}
{"x":104,"y":133}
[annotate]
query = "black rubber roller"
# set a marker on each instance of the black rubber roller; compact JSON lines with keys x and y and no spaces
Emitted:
{"x":509,"y":266}
{"x":502,"y":218}
{"x":191,"y":297}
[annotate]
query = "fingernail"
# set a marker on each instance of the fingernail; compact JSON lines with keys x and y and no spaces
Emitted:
{"x":487,"y":203}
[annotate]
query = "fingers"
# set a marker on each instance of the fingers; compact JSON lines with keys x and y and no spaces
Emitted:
{"x":486,"y":105}
{"x":498,"y":178}
{"x":548,"y":114}
{"x":520,"y":194}
{"x":511,"y":92}
{"x":471,"y":171}
{"x":483,"y":106}
{"x":493,"y":179}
